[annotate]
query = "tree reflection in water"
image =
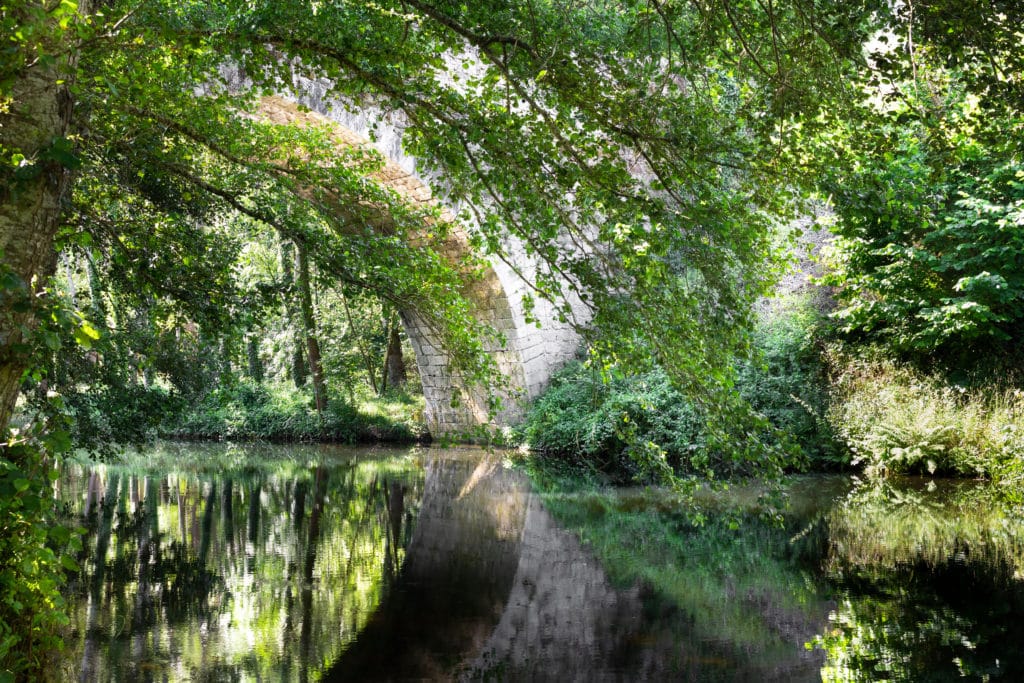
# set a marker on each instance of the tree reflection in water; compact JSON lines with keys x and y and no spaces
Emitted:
{"x":265,"y":572}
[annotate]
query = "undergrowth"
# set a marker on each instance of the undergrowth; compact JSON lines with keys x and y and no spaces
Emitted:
{"x":249,"y":411}
{"x":615,"y":422}
{"x":895,"y":419}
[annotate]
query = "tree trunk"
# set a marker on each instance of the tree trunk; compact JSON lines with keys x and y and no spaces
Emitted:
{"x":297,"y":369}
{"x":394,"y":363}
{"x":30,"y":202}
{"x":309,"y":327}
{"x":252,"y":355}
{"x":225,"y":372}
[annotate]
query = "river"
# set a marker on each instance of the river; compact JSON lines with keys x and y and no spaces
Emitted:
{"x":299,"y":563}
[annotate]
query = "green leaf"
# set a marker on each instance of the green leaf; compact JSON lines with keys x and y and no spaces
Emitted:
{"x":86,"y":334}
{"x":51,"y":340}
{"x":62,"y":151}
{"x":57,"y":441}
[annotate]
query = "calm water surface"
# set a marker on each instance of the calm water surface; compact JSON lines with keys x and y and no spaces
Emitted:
{"x":229,"y":563}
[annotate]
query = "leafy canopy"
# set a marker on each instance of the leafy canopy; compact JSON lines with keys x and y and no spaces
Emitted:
{"x":632,"y":148}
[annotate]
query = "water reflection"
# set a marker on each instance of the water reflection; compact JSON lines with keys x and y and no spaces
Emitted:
{"x":928,"y":582}
{"x":235,"y":564}
{"x":256,"y":574}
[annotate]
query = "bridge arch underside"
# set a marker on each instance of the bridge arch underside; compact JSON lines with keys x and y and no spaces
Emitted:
{"x":529,"y":354}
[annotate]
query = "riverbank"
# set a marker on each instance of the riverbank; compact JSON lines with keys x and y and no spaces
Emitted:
{"x":249,"y":411}
{"x":819,"y":404}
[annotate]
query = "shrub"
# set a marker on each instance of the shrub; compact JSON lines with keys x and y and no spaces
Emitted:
{"x":35,"y":551}
{"x":788,"y":381}
{"x":631,"y":424}
{"x":898,"y":420}
{"x":120,"y":414}
{"x":248,"y":411}
{"x":634,"y":427}
{"x":612,"y":425}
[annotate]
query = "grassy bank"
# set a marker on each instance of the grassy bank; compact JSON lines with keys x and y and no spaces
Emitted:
{"x":254,"y":412}
{"x":895,"y":419}
{"x":246,"y":411}
{"x":829,"y":406}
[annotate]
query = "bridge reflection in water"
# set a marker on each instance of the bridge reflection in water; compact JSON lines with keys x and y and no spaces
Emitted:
{"x":430,"y":564}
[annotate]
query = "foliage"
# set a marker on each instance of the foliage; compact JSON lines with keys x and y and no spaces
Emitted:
{"x":527,"y":116}
{"x":35,"y":547}
{"x":787,"y":379}
{"x":32,"y":568}
{"x":158,"y":352}
{"x":612,"y":425}
{"x":928,"y":188}
{"x":619,"y":424}
{"x":895,"y":419}
{"x":248,"y":411}
{"x":130,"y":414}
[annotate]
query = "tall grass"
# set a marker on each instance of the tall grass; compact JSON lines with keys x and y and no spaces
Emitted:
{"x":898,"y":420}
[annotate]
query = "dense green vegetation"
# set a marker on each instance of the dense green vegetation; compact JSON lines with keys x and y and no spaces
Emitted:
{"x":176,"y":262}
{"x":248,"y":412}
{"x":913,"y":367}
{"x":894,"y":419}
{"x":630,"y":425}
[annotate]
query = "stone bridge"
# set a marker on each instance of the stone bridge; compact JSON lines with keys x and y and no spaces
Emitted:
{"x":530,"y":353}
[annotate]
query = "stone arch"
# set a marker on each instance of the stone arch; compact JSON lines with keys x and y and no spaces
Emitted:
{"x":531,"y":351}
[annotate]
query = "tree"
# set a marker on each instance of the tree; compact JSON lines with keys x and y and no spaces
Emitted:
{"x":35,"y":120}
{"x":635,"y":149}
{"x":298,"y":370}
{"x":541,"y":135}
{"x":309,"y":328}
{"x":928,"y":188}
{"x":393,"y":374}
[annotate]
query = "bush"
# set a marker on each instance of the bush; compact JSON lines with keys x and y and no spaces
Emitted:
{"x":626,"y":426}
{"x":248,"y":411}
{"x":35,"y":551}
{"x":788,"y":382}
{"x":610,"y":425}
{"x":896,"y":419}
{"x":120,"y":414}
